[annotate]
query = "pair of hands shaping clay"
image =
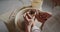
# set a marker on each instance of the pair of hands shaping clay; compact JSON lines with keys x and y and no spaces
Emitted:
{"x":40,"y":16}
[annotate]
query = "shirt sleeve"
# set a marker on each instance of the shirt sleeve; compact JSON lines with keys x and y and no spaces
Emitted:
{"x":35,"y":29}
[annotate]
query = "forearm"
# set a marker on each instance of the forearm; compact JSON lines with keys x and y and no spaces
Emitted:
{"x":27,"y":28}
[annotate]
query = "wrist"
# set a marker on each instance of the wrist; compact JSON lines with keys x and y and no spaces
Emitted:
{"x":29,"y":28}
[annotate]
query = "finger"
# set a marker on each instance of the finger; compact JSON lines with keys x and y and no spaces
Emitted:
{"x":29,"y":15}
{"x":24,"y":15}
{"x":35,"y":13}
{"x":33,"y":18}
{"x":27,"y":18}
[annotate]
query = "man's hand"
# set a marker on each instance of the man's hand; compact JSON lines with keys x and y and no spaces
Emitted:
{"x":29,"y":21}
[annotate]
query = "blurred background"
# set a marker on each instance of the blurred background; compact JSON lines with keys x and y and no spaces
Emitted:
{"x":10,"y":5}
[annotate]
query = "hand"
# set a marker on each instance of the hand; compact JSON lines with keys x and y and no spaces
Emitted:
{"x":29,"y":21}
{"x":42,"y":16}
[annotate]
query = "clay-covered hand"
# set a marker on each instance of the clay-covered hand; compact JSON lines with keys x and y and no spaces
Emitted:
{"x":29,"y":21}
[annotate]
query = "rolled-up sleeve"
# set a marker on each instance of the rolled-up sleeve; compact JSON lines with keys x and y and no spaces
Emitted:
{"x":35,"y":29}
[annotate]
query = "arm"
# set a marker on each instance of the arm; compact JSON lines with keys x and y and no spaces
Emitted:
{"x":29,"y":23}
